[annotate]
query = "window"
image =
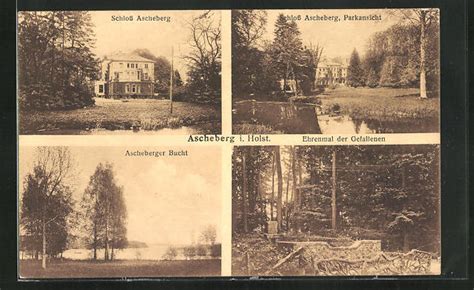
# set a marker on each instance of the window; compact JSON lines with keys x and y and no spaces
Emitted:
{"x":116,"y":75}
{"x":128,"y":65}
{"x":134,"y":88}
{"x":101,"y":88}
{"x":145,"y":76}
{"x":127,"y":88}
{"x":138,"y":75}
{"x":138,"y":88}
{"x":146,"y":65}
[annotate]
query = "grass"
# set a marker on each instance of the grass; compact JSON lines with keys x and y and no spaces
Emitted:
{"x":248,"y":128}
{"x":120,"y":269}
{"x":145,"y":114}
{"x":384,"y":104}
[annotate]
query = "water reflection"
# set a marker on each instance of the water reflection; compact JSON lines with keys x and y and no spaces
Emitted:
{"x":287,"y":117}
{"x":291,"y":118}
{"x":184,"y":130}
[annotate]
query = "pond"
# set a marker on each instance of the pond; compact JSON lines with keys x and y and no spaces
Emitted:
{"x":290,"y":118}
{"x":297,"y":118}
{"x":152,"y":252}
{"x":184,"y":130}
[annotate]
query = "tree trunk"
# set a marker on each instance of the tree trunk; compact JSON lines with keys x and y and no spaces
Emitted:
{"x":333,"y":196}
{"x":280,"y":187}
{"x":406,"y":242}
{"x":244,"y":191}
{"x":273,"y":187}
{"x":293,"y":174}
{"x":423,"y":94}
{"x":95,"y":240}
{"x":287,"y":203}
{"x":106,"y":252}
{"x":300,"y":196}
{"x":43,"y":257}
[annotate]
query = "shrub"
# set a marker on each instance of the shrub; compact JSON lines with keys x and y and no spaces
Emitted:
{"x":189,"y":252}
{"x":42,"y":97}
{"x":216,"y":250}
{"x":170,"y":254}
{"x":201,"y":250}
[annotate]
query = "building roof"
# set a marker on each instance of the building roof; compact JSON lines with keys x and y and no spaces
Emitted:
{"x":120,"y":56}
{"x":329,"y":64}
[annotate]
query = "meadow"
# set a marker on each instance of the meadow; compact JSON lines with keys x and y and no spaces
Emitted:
{"x":108,"y":114}
{"x":31,"y":269}
{"x":383,"y":104}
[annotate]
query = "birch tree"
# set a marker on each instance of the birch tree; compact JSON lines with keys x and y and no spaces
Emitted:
{"x":46,"y":201}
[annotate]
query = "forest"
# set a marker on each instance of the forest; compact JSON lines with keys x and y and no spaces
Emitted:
{"x":337,"y":194}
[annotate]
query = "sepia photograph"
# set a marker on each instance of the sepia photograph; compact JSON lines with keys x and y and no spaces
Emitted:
{"x":119,"y":72}
{"x":336,"y":210}
{"x":338,"y":71}
{"x":119,"y":212}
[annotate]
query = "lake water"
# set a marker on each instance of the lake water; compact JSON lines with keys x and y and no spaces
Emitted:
{"x":184,"y":130}
{"x":296,"y":118}
{"x":152,"y":252}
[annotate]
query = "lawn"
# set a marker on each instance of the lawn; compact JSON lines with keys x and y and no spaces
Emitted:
{"x":383,"y":104}
{"x":143,"y":114}
{"x":120,"y":269}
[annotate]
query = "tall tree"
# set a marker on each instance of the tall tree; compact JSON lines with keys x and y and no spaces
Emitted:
{"x":280,"y":186}
{"x":355,"y":73}
{"x":287,"y":50}
{"x":46,"y":201}
{"x":204,"y":75}
{"x":248,"y":27}
{"x":423,"y":19}
{"x":105,"y":212}
{"x":55,"y":60}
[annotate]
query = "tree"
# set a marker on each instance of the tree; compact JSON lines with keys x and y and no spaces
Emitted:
{"x":55,"y":60}
{"x":311,"y":58}
{"x":287,"y":50}
{"x":170,"y":254}
{"x":204,"y":60}
{"x":209,"y":234}
{"x":162,"y":68}
{"x":423,"y":19}
{"x":257,"y":174}
{"x":46,"y":201}
{"x":105,"y":212}
{"x":355,"y":74}
{"x":248,"y":27}
{"x":280,"y":187}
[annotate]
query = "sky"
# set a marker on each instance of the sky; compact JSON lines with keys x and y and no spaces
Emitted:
{"x":156,"y":36}
{"x":338,"y":38}
{"x":169,"y":199}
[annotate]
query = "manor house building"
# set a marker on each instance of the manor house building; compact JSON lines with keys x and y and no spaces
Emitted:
{"x":125,"y":75}
{"x":331,"y":73}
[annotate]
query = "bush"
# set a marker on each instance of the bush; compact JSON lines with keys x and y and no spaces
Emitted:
{"x":170,"y":254}
{"x":42,"y":97}
{"x":216,"y":250}
{"x":201,"y":250}
{"x":189,"y":252}
{"x":180,"y":94}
